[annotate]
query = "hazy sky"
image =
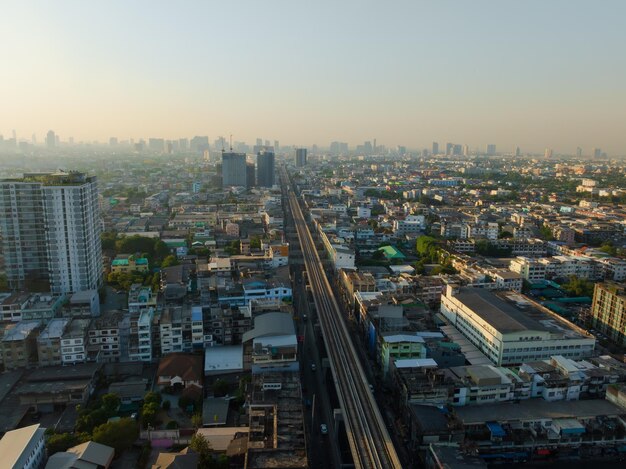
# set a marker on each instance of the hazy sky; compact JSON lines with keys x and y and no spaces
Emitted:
{"x":534,"y":73}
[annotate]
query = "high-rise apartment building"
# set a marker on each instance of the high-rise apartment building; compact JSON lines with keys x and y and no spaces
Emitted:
{"x":491,"y":149}
{"x":51,"y":230}
{"x":265,"y":169}
{"x":301,"y":157}
{"x":51,"y":139}
{"x":548,"y":153}
{"x":608,"y":311}
{"x":250,"y":175}
{"x":234,"y":171}
{"x":435,"y":148}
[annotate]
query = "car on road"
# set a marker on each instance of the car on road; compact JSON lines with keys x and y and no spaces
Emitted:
{"x":313,"y":367}
{"x":324,"y":429}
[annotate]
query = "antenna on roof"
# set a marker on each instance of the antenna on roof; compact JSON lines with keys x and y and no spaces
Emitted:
{"x":223,"y":143}
{"x":231,"y":142}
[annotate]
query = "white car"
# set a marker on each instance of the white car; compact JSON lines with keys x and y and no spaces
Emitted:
{"x":324,"y":429}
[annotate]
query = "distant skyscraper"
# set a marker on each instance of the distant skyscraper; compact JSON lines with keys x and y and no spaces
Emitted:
{"x":579,"y":152}
{"x":449,"y":148}
{"x":596,"y":153}
{"x":156,"y":145}
{"x":199,"y":144}
{"x":491,"y":149}
{"x":276,"y":146}
{"x":457,"y":149}
{"x":113,"y":141}
{"x":465,"y":150}
{"x":54,"y":233}
{"x":301,"y":157}
{"x":234,"y":169}
{"x":183,"y":144}
{"x":51,"y":140}
{"x":265,"y":169}
{"x":259,"y":141}
{"x":518,"y":152}
{"x":548,"y":153}
{"x":435,"y":148}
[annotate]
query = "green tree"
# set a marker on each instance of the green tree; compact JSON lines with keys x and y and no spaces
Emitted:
{"x":119,"y":435}
{"x":108,"y":239}
{"x":255,"y":242}
{"x":196,"y":420}
{"x":110,"y":403}
{"x":424,"y":244}
{"x":169,"y":261}
{"x":4,"y":283}
{"x":578,"y":287}
{"x":58,"y":442}
{"x":161,"y":250}
{"x":201,"y":446}
{"x":220,"y":387}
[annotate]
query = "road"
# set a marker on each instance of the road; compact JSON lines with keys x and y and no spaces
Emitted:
{"x":367,"y":434}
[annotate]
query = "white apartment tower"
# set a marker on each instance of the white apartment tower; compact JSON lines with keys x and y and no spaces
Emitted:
{"x":51,"y":230}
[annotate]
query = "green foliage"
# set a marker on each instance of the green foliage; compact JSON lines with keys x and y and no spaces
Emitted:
{"x":135,"y":243}
{"x":201,"y":446}
{"x":108,"y":239}
{"x":172,"y":425}
{"x":124,"y":280}
{"x":485,"y":248}
{"x":255,"y":242}
{"x":220,"y":387}
{"x":4,"y":283}
{"x":119,"y":435}
{"x":384,"y":194}
{"x":110,"y":403}
{"x":578,"y":287}
{"x":424,"y":245}
{"x":58,"y":442}
{"x":169,"y":261}
{"x":233,"y":249}
{"x":505,"y":235}
{"x":546,"y":233}
{"x":196,"y":420}
{"x":161,"y":250}
{"x":149,"y":413}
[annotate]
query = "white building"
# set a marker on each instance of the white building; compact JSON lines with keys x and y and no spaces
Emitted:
{"x":412,"y":224}
{"x":140,"y":345}
{"x":74,"y":342}
{"x":509,"y":328}
{"x":23,"y":448}
{"x":53,"y":232}
{"x":529,"y":268}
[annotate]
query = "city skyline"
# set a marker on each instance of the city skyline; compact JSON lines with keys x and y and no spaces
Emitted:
{"x":510,"y":75}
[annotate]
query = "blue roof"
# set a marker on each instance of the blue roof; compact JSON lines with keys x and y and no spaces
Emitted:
{"x":496,"y":429}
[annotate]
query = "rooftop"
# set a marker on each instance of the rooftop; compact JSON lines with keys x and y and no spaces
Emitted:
{"x":510,"y":312}
{"x":15,"y":445}
{"x":54,"y":329}
{"x":536,"y":409}
{"x":226,"y":359}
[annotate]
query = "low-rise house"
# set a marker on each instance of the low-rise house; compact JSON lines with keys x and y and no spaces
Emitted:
{"x":74,"y":342}
{"x":88,"y":455}
{"x":19,"y":345}
{"x":129,"y":264}
{"x":180,"y":370}
{"x":49,"y":342}
{"x":104,"y":337}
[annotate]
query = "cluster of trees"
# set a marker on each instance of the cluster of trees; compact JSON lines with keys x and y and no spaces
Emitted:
{"x":208,"y":460}
{"x":150,"y":409}
{"x":153,"y":249}
{"x":611,"y":249}
{"x":487,"y":249}
{"x":234,"y":248}
{"x":92,"y":424}
{"x":578,"y":287}
{"x":383,"y":194}
{"x":429,"y":253}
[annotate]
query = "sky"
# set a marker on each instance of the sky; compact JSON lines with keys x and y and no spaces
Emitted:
{"x":532,"y":74}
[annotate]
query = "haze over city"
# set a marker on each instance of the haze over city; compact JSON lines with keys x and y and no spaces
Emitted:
{"x":533,"y":74}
